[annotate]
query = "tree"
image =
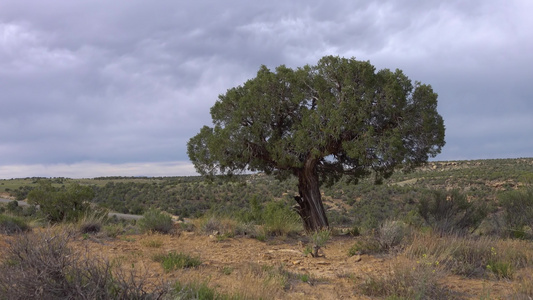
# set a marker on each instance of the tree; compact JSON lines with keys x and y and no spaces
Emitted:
{"x":61,"y":204}
{"x":319,"y":123}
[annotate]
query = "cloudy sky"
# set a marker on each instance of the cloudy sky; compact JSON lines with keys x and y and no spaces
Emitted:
{"x":100,"y":88}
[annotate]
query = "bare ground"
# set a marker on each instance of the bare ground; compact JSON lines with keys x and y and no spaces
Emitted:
{"x":248,"y":267}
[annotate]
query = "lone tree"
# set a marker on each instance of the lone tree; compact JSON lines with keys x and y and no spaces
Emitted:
{"x":319,"y":123}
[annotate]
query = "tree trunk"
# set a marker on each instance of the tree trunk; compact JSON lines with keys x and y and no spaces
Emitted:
{"x":310,"y":206}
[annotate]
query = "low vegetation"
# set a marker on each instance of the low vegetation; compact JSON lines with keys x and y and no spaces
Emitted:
{"x":466,"y":219}
{"x":58,"y":271}
{"x":173,"y":261}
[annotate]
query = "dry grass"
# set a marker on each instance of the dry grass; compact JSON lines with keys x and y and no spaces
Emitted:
{"x":57,"y":271}
{"x":407,"y":280}
{"x":473,"y":257}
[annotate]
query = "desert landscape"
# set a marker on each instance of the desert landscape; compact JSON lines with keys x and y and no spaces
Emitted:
{"x":260,"y":251}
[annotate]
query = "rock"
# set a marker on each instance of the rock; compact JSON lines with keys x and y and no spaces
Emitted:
{"x":355,"y":258}
{"x":296,"y":262}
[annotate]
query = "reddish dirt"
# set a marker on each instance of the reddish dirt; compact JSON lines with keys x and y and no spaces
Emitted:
{"x":233,"y":265}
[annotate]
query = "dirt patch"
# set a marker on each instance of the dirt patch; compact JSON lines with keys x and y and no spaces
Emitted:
{"x":276,"y":268}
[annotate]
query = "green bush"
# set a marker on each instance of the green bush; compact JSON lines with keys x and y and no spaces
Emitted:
{"x":451,"y":212}
{"x":156,"y":221}
{"x":280,"y":220}
{"x":518,"y":212}
{"x":61,"y":204}
{"x":12,"y":225}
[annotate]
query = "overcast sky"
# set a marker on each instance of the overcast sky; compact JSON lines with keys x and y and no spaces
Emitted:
{"x":101,"y":88}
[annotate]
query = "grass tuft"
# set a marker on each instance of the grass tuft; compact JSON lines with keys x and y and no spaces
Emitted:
{"x":174,"y":261}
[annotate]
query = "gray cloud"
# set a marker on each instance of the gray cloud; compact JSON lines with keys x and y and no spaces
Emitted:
{"x":120,"y":82}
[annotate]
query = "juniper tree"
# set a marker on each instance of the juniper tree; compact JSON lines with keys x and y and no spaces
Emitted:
{"x":338,"y":118}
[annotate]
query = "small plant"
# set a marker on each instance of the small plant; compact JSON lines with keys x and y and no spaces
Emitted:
{"x":92,"y":222}
{"x":365,"y":245}
{"x":227,"y":270}
{"x":279,"y":220}
{"x":113,"y":230}
{"x":198,"y":290}
{"x":173,"y":261}
{"x":153,"y":243}
{"x":319,"y":238}
{"x":155,"y":220}
{"x":304,"y":278}
{"x":13,"y":225}
{"x":406,"y":280}
{"x":391,"y":234}
{"x":500,"y":268}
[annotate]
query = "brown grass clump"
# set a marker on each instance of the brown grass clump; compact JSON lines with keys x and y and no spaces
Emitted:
{"x":408,"y":280}
{"x":43,"y":266}
{"x":473,"y":257}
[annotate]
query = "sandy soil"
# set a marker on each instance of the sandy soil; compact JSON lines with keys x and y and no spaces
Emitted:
{"x":237,"y":265}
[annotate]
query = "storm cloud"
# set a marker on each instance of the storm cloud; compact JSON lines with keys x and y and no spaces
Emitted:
{"x":96,"y":88}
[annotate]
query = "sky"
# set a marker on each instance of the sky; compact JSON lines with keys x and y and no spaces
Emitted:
{"x":106,"y":88}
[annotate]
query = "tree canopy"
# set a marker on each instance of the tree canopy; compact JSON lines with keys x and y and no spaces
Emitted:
{"x":319,"y":123}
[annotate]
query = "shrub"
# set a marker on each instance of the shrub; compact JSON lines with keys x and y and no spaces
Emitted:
{"x":58,"y":205}
{"x":407,"y":280}
{"x":280,"y":220}
{"x":113,"y":230}
{"x":391,"y":234}
{"x":57,"y":271}
{"x":319,"y":238}
{"x":92,"y":222}
{"x":12,"y":225}
{"x":451,"y":212}
{"x":13,"y":207}
{"x":156,"y":220}
{"x":473,"y":257}
{"x":198,"y":290}
{"x":217,"y":225}
{"x":173,"y":261}
{"x":518,"y":212}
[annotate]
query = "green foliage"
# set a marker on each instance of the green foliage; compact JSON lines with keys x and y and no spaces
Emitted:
{"x":173,"y":261}
{"x":12,"y":225}
{"x":13,"y":207}
{"x":451,"y":212}
{"x":319,"y":239}
{"x":198,"y":291}
{"x":279,"y":220}
{"x":339,"y":117}
{"x":278,"y":119}
{"x":518,"y":209}
{"x":61,"y":204}
{"x":157,"y":221}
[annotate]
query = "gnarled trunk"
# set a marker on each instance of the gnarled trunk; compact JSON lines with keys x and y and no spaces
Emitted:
{"x":310,"y":206}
